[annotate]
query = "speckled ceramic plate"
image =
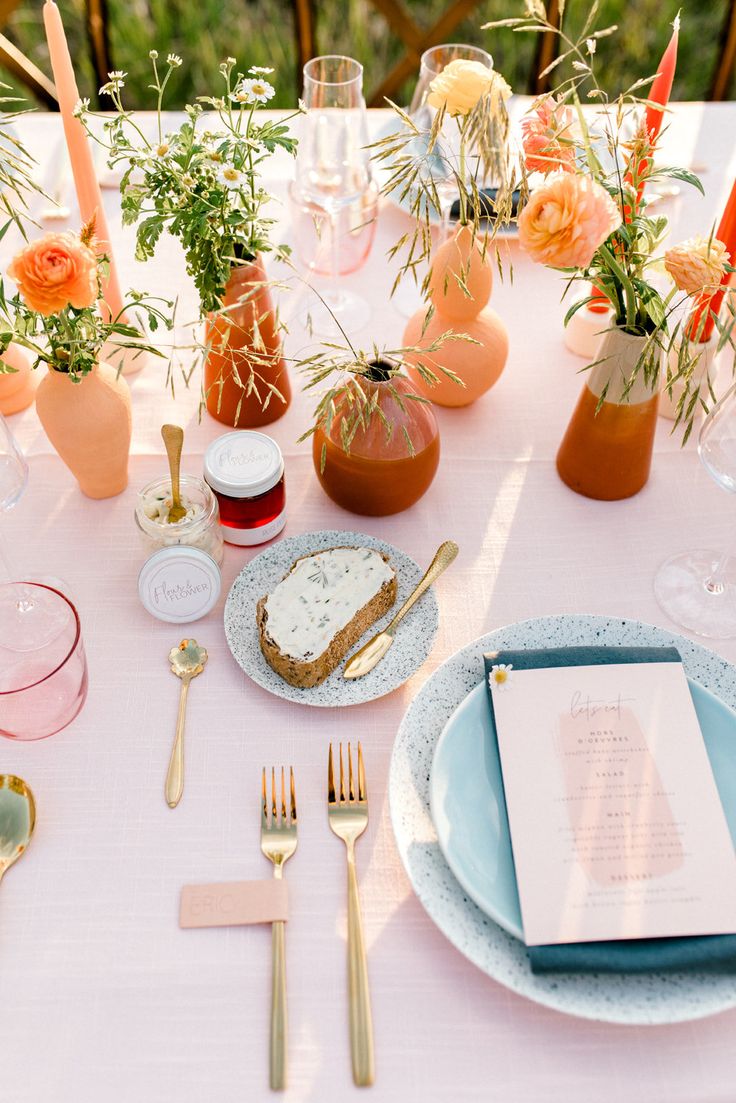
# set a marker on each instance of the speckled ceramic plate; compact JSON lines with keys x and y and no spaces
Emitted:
{"x":620,"y":998}
{"x":411,"y":647}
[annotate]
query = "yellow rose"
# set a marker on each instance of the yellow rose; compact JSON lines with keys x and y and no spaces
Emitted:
{"x":462,"y":83}
{"x":697,"y":265}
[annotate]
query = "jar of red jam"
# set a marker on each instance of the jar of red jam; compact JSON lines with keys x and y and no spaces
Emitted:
{"x":246,"y":473}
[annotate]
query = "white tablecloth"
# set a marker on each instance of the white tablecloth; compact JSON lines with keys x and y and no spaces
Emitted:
{"x":102,"y":997}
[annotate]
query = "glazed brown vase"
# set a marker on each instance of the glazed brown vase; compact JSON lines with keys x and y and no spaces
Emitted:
{"x":89,"y":424}
{"x":245,"y":379}
{"x":606,"y":452}
{"x":380,"y":473}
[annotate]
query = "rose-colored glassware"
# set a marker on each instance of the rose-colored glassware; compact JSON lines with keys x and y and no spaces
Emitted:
{"x":355,"y":228}
{"x":43,"y":668}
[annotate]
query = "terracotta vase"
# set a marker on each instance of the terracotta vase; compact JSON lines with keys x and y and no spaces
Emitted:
{"x":463,"y":309}
{"x":381,"y":473}
{"x":243,"y":361}
{"x":608,"y":454}
{"x":18,"y":388}
{"x":89,"y":424}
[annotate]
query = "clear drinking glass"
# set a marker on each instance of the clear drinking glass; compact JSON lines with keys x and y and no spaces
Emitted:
{"x":333,"y":170}
{"x":43,"y":670}
{"x":697,"y":589}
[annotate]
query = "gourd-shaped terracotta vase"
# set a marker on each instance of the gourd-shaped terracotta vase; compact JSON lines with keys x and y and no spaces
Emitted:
{"x":16,"y":388}
{"x":460,"y":289}
{"x":393,"y":455}
{"x":245,"y":380}
{"x":606,"y":452}
{"x":89,"y":424}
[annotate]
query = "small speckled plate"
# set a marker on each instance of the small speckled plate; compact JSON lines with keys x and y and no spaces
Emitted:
{"x":410,"y":649}
{"x":646,"y":999}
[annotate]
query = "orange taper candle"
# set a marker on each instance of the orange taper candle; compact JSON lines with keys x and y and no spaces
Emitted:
{"x":711,"y":304}
{"x":87,"y":187}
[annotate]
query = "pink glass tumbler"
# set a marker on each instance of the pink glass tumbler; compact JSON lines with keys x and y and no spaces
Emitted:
{"x":43,"y":668}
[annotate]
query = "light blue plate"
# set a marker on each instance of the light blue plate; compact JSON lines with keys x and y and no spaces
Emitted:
{"x":467,"y":804}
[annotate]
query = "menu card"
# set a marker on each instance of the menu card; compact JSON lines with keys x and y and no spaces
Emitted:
{"x":616,"y":824}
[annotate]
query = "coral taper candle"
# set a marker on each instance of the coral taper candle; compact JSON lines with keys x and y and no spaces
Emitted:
{"x":697,"y":329}
{"x":87,"y":187}
{"x":662,"y":86}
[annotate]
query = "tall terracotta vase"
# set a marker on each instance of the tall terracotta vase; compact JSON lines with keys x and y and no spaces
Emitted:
{"x":89,"y":424}
{"x":460,"y":289}
{"x":16,"y":388}
{"x":244,"y":361}
{"x":608,"y":454}
{"x":380,"y":473}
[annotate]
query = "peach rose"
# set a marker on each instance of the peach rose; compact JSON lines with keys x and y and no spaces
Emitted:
{"x":57,"y":271}
{"x":698,"y":264}
{"x":546,"y":135}
{"x":462,"y":83}
{"x":566,"y":220}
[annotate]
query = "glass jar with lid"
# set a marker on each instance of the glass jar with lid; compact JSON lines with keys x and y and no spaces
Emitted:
{"x":199,"y":529}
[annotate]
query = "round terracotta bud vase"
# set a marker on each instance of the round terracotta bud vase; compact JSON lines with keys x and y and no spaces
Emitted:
{"x":89,"y":424}
{"x":17,"y":388}
{"x":393,"y":455}
{"x":459,"y":290}
{"x":246,"y":384}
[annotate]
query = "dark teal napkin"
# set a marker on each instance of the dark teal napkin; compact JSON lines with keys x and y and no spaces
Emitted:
{"x":698,"y":953}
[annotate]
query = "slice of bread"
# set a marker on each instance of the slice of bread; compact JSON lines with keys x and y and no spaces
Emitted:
{"x":321,"y":608}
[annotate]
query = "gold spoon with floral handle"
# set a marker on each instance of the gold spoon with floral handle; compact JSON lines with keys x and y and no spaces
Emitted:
{"x":364,"y":660}
{"x":187,"y":661}
{"x":173,"y":438}
{"x":17,"y":819}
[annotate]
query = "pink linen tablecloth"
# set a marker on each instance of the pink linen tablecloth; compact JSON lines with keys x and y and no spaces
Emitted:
{"x":102,"y":997}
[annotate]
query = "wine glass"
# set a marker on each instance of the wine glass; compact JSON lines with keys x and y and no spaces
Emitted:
{"x":697,"y":589}
{"x":333,"y":171}
{"x":43,"y":669}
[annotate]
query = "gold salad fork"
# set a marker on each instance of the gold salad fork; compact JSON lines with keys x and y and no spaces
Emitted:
{"x":348,"y":818}
{"x":278,"y":843}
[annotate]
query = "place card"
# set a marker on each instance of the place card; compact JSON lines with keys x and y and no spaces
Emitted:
{"x":234,"y":903}
{"x":616,"y":824}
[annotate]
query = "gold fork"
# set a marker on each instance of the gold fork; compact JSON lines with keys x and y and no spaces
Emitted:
{"x":348,"y":818}
{"x":278,"y":843}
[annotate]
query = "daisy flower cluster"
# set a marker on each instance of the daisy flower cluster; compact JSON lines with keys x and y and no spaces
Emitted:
{"x":202,"y":182}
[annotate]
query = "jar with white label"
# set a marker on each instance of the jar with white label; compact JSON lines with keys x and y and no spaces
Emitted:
{"x":246,"y":473}
{"x":179,"y":584}
{"x":200,"y":528}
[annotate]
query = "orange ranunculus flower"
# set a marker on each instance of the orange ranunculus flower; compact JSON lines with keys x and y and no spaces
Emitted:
{"x":566,"y":220}
{"x":56,"y":271}
{"x":697,"y":265}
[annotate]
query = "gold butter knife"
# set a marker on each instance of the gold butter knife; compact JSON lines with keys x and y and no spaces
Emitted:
{"x":371,"y":654}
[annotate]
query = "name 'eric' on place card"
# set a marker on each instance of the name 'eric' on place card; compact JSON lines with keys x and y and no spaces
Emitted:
{"x":616,"y":824}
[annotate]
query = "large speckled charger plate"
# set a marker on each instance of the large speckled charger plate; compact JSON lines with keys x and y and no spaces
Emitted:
{"x":409,"y":650}
{"x":648,"y":999}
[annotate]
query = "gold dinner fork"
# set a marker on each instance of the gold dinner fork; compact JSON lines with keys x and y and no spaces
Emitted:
{"x":348,"y":818}
{"x":278,"y":843}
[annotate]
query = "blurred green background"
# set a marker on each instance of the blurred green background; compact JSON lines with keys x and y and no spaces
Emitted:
{"x":261,"y":32}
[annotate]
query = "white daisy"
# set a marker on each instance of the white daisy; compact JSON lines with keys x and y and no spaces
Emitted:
{"x":253,"y":91}
{"x":174,"y":61}
{"x":500,"y":675}
{"x":229,"y":176}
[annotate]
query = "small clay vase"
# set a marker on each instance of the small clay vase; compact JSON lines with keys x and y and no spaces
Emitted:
{"x":17,"y":389}
{"x":244,"y":348}
{"x":381,"y":473}
{"x":89,"y":424}
{"x":460,"y":289}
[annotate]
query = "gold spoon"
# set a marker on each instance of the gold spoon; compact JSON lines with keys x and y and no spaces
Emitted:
{"x":17,"y":819}
{"x":371,"y":654}
{"x":173,"y":437}
{"x":187,"y":661}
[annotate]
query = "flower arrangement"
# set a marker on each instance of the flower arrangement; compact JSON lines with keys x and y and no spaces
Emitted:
{"x":55,"y":312}
{"x":201,"y":182}
{"x":585,"y":211}
{"x":466,"y":145}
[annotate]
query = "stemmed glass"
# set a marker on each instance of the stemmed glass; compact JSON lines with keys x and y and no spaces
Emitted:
{"x":697,"y":589}
{"x":333,"y":169}
{"x":43,"y":669}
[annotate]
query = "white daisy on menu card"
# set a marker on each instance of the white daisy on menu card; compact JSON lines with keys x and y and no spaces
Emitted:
{"x":500,"y":675}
